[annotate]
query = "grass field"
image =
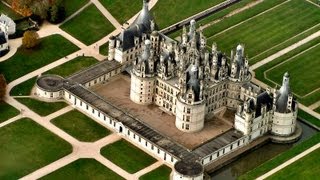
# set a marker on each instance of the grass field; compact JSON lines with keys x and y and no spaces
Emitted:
{"x":80,"y":126}
{"x":214,"y":16}
{"x":303,"y":69}
{"x":6,"y":10}
{"x":89,"y":26}
{"x":71,"y":6}
{"x":72,"y":66}
{"x":276,"y":161}
{"x":7,"y":111}
{"x":266,"y":27}
{"x":241,"y":16}
{"x":168,"y":12}
{"x":130,"y":159}
{"x":318,"y":110}
{"x":23,"y":89}
{"x":42,"y":108}
{"x":306,"y":168}
{"x":120,"y":10}
{"x":83,"y":169}
{"x":161,"y":173}
{"x":25,"y":61}
{"x":309,"y":118}
{"x":104,"y":49}
{"x":297,"y":80}
{"x":26,"y":147}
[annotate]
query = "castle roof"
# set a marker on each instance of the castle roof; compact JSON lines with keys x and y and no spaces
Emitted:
{"x":283,"y":94}
{"x":141,"y":25}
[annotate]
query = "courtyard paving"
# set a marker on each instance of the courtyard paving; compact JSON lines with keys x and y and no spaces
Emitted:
{"x":117,"y":91}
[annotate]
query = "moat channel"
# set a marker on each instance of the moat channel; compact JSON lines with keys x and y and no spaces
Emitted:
{"x":258,"y":156}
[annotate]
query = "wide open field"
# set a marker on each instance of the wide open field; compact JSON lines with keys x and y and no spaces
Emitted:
{"x":268,"y":29}
{"x":168,"y":12}
{"x":89,"y":26}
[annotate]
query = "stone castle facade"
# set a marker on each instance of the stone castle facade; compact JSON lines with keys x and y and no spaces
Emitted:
{"x":188,"y":81}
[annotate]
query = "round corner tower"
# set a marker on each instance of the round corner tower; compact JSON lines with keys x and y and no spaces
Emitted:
{"x":190,"y":108}
{"x":185,"y":170}
{"x":142,"y":77}
{"x":285,"y":110}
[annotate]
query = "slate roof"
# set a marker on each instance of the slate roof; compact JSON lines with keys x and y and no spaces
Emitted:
{"x":94,"y":71}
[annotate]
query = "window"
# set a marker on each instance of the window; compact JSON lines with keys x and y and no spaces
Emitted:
{"x":187,"y":126}
{"x":128,"y":132}
{"x":188,"y":118}
{"x":139,"y":139}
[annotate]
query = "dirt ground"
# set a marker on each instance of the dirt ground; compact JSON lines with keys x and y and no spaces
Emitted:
{"x":117,"y":91}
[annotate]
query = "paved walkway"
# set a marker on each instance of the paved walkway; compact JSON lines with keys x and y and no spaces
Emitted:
{"x":287,"y":163}
{"x":314,"y":105}
{"x":10,"y":120}
{"x":106,"y":13}
{"x":14,"y":45}
{"x":76,"y":13}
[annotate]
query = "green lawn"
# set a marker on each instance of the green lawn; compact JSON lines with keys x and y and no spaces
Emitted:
{"x":89,"y":26}
{"x":120,"y":9}
{"x":213,"y":16}
{"x":72,"y":66}
{"x":23,"y":89}
{"x":7,"y":111}
{"x":304,"y":70}
{"x":168,"y":12}
{"x":296,"y":79}
{"x":276,"y":161}
{"x":270,"y":28}
{"x":26,"y":147}
{"x":240,"y":17}
{"x":318,"y":110}
{"x":25,"y":61}
{"x":40,"y":107}
{"x":313,"y":120}
{"x":71,"y":6}
{"x":161,"y":173}
{"x":83,"y":169}
{"x":80,"y":126}
{"x":307,"y":167}
{"x":104,"y":49}
{"x":6,"y":10}
{"x":127,"y":156}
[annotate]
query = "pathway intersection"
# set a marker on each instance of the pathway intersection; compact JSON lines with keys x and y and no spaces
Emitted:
{"x":92,"y":150}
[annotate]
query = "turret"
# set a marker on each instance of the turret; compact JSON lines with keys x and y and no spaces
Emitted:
{"x":184,"y":36}
{"x":111,"y":51}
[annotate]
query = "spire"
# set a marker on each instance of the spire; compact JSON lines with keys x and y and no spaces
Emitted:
{"x":281,"y":104}
{"x":145,"y":5}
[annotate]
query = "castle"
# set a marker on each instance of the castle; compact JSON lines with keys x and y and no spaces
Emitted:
{"x":185,"y":80}
{"x":188,"y":81}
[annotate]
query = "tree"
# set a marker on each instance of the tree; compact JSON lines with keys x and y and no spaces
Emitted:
{"x":30,"y":39}
{"x":3,"y":86}
{"x":56,"y":13}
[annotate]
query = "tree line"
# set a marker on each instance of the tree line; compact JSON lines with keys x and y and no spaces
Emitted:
{"x":51,"y":10}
